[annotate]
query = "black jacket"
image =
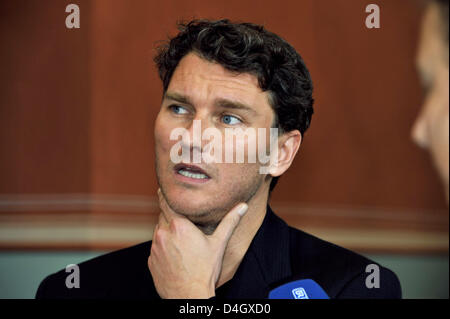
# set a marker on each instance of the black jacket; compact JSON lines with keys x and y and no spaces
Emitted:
{"x":278,"y":254}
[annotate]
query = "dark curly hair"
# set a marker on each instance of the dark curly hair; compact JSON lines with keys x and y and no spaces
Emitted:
{"x":247,"y":48}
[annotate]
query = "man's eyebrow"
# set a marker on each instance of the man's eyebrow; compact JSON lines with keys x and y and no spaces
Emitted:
{"x":225,"y":103}
{"x":177,"y":97}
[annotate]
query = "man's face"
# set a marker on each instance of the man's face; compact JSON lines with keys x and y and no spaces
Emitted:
{"x":431,"y":129}
{"x":220,"y":99}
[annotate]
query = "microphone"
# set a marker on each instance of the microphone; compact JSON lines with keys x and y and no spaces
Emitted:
{"x":299,"y":289}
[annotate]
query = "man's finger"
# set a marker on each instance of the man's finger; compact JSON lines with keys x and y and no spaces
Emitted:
{"x":162,"y":221}
{"x":154,"y":231}
{"x":229,"y":223}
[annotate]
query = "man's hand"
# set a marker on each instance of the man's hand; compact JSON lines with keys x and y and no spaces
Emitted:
{"x":184,"y":262}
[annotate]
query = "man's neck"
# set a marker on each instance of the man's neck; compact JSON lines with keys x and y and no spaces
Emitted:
{"x":243,"y":236}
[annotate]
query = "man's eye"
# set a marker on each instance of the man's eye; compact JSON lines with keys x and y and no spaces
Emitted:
{"x":230,"y":120}
{"x":178,"y":109}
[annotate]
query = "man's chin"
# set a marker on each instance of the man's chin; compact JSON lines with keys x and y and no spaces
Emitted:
{"x":191,"y":209}
{"x":196,"y":214}
{"x":201,"y":213}
{"x":205,"y":219}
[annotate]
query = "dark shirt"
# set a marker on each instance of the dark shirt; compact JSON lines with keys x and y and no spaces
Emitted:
{"x":278,"y":254}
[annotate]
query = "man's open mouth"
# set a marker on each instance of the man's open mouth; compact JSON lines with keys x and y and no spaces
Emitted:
{"x":191,"y":171}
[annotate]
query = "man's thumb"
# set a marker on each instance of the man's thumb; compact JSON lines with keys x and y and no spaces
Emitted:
{"x":229,"y":223}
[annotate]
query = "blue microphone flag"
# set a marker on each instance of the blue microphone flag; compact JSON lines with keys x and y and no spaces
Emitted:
{"x":300,"y":289}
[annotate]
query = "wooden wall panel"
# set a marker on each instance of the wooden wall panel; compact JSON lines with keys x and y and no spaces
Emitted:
{"x":44,"y":99}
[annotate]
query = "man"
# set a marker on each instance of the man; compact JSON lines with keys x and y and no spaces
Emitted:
{"x":431,"y":128}
{"x":216,"y":235}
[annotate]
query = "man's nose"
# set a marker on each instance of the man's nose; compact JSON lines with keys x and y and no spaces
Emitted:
{"x":419,"y":132}
{"x":194,"y":133}
{"x":193,"y":139}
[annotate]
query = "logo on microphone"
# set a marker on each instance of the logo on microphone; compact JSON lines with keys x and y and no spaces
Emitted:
{"x":299,"y":293}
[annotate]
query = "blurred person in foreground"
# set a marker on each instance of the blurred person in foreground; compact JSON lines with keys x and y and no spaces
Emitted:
{"x":431,"y":129}
{"x":216,"y":235}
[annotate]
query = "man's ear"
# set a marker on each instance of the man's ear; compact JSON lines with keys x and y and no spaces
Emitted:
{"x":288,"y":145}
